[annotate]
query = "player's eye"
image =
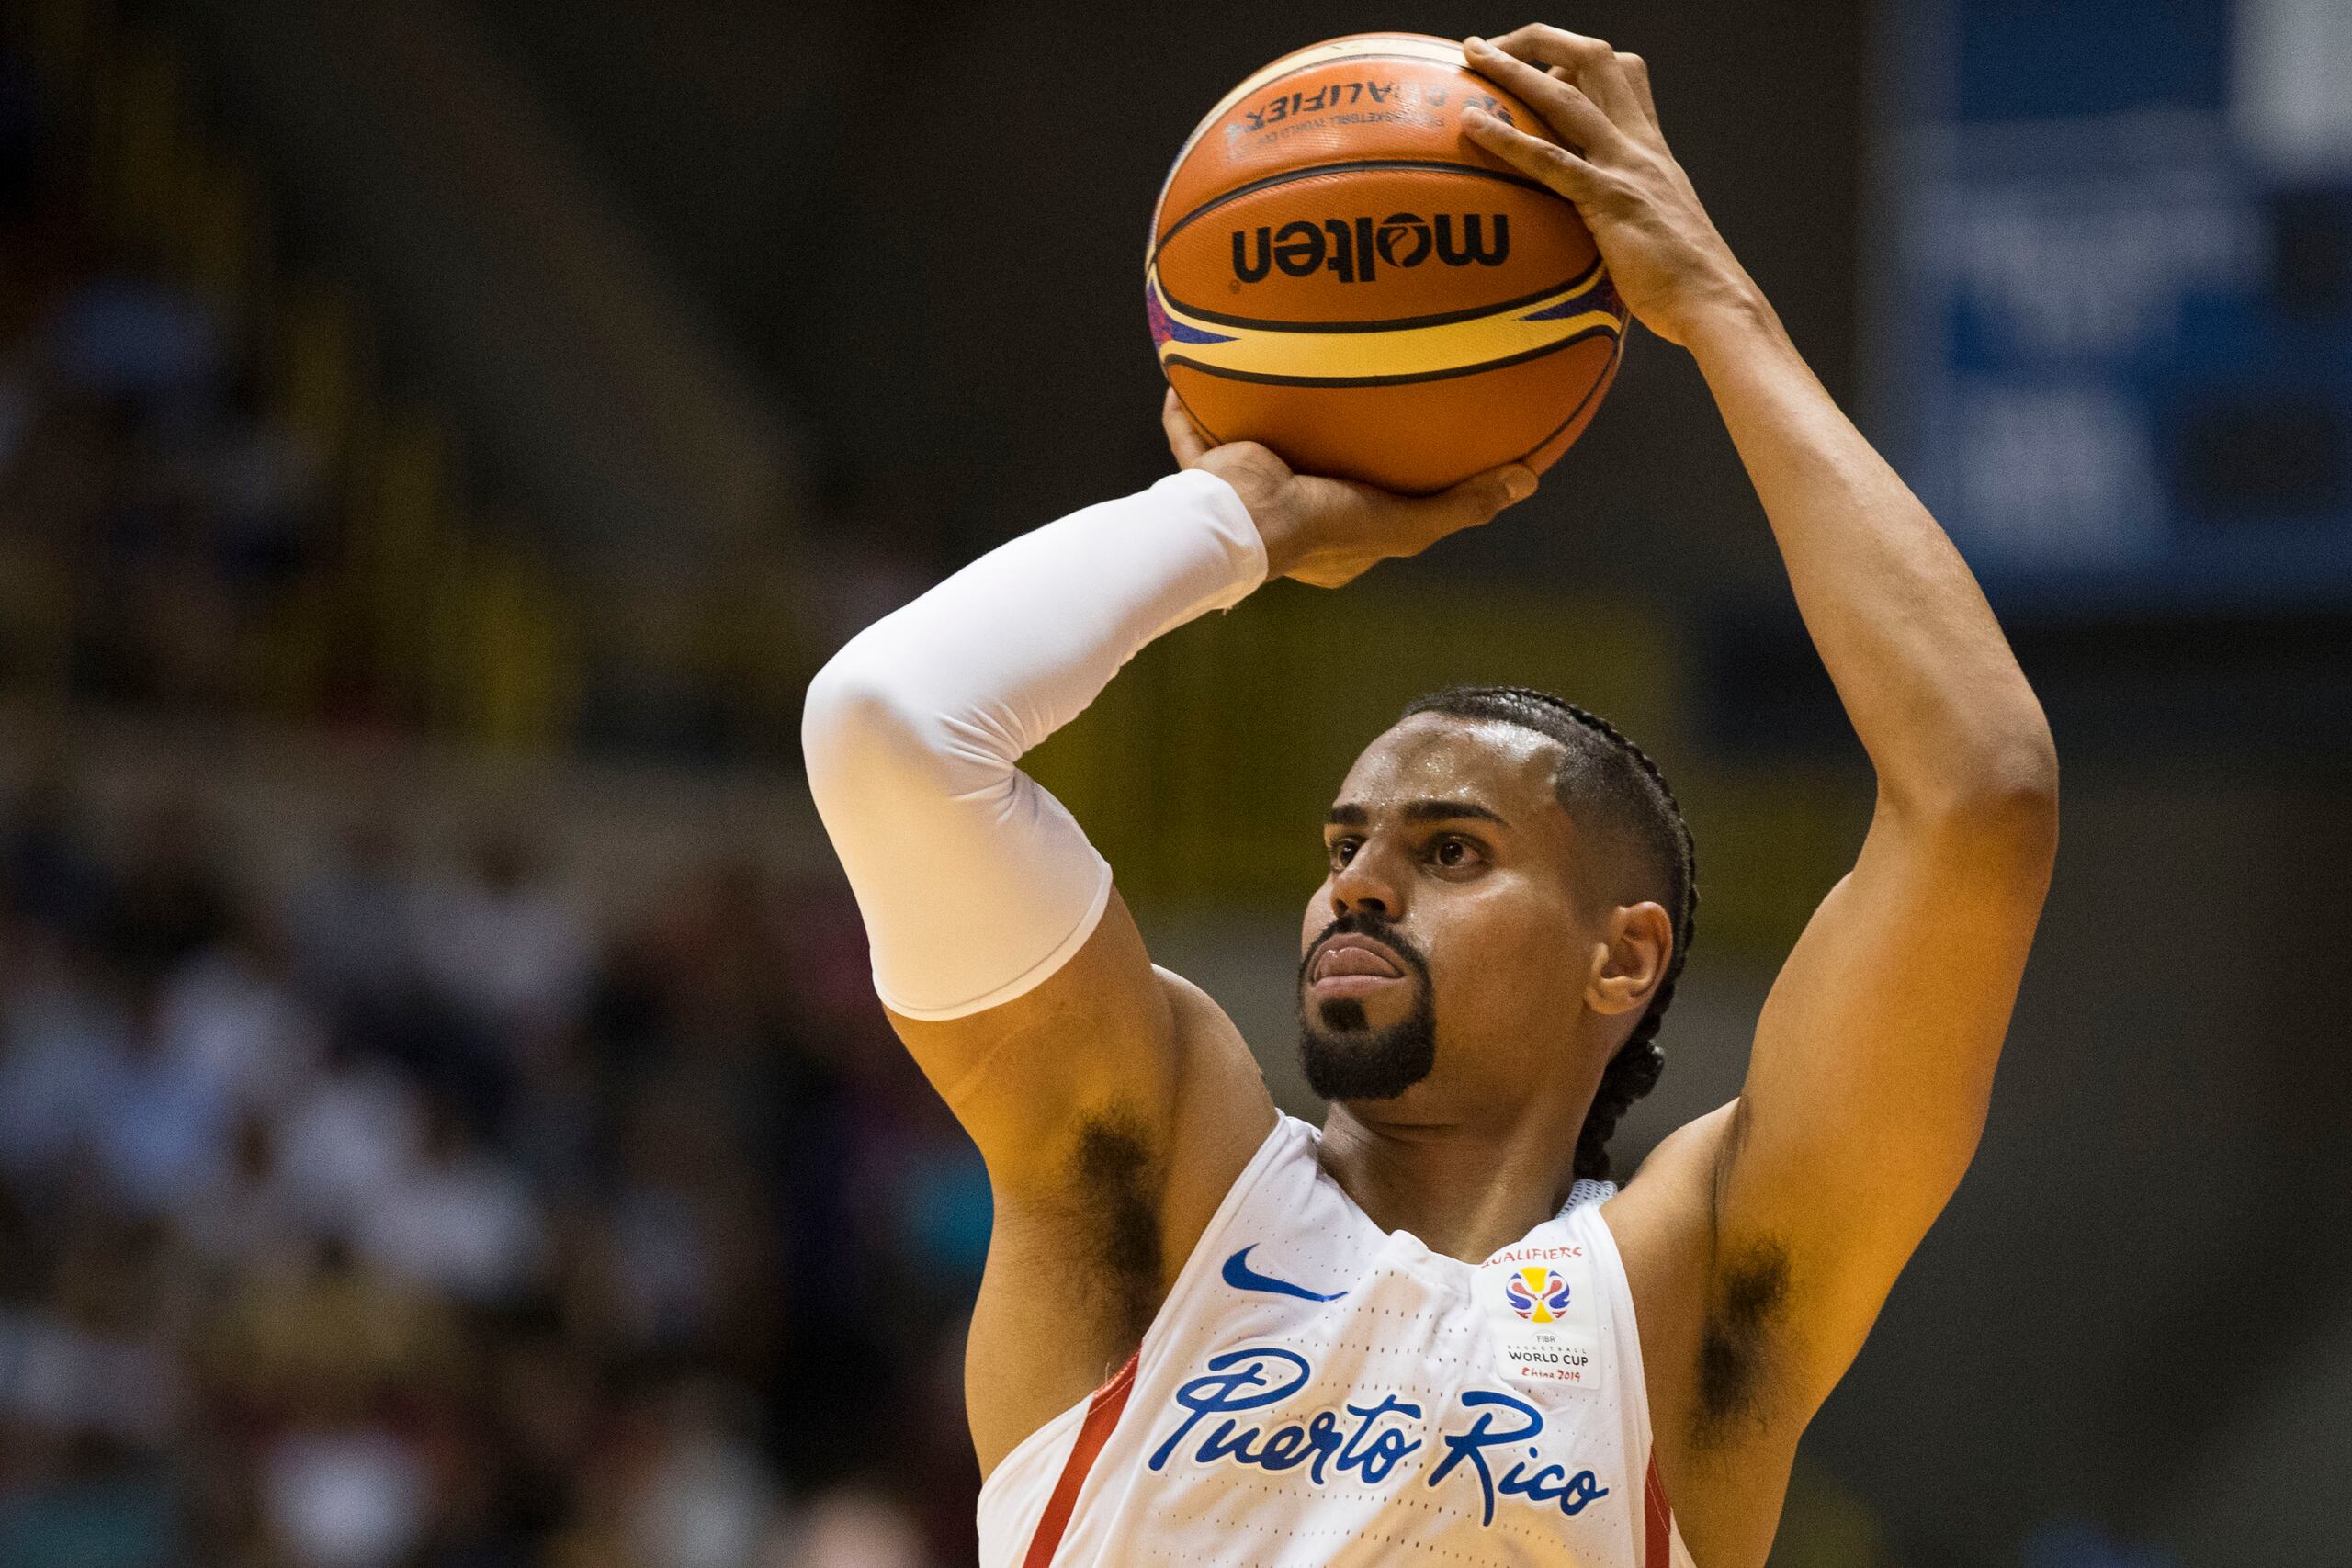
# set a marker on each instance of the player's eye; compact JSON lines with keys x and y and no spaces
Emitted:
{"x":1343,"y":850}
{"x":1453,"y":853}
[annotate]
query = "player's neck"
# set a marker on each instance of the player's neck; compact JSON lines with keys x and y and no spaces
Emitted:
{"x":1464,"y":1188}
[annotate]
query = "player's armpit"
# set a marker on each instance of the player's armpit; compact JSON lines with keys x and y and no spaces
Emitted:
{"x":1866,"y":1095}
{"x":1709,"y":1365}
{"x":1116,"y":1104}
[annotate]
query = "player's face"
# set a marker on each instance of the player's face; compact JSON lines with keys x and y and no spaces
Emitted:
{"x":1446,"y":917}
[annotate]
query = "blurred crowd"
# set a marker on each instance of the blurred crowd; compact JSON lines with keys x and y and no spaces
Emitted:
{"x":153,"y":526}
{"x":157,"y":527}
{"x":405,"y":1211}
{"x":226,"y":491}
{"x":404,"y":1215}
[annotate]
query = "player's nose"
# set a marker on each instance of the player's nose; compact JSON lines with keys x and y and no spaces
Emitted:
{"x":1366,"y":884}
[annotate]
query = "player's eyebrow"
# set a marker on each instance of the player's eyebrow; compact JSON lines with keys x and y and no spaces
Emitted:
{"x":1353,"y":816}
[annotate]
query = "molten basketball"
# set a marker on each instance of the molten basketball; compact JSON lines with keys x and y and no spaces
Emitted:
{"x":1338,"y":272}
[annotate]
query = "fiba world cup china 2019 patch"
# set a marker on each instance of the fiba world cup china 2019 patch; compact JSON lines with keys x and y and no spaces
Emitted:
{"x":1539,"y":1299}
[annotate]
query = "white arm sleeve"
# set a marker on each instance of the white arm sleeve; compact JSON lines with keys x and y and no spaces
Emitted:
{"x":975,"y":883}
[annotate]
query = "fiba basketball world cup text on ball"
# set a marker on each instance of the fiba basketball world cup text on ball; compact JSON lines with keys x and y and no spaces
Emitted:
{"x":1355,"y":248}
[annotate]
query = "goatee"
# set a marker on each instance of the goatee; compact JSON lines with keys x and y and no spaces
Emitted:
{"x":1343,"y":1056}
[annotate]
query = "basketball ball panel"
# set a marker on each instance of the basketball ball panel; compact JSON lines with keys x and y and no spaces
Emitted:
{"x":1372,"y":108}
{"x":1415,"y":438}
{"x":1556,"y":444}
{"x":1354,"y":46}
{"x":1374,"y":244}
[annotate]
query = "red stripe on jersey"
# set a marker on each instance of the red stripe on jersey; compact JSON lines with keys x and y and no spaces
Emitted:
{"x":1657,"y":1519}
{"x":1101,"y":1415}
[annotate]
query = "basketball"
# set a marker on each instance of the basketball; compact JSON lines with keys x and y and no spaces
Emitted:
{"x":1335,"y":271}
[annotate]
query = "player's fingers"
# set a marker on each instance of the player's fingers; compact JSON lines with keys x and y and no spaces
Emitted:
{"x":1544,"y":45}
{"x":1184,"y":438}
{"x":1562,"y":103}
{"x":1637,"y":77}
{"x":1549,"y":161}
{"x":1475,"y":501}
{"x":1589,"y":62}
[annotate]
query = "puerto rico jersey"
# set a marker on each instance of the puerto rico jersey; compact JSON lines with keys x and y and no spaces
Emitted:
{"x":1318,"y":1391}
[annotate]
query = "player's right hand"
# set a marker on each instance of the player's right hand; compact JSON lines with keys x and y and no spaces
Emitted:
{"x":1664,"y":253}
{"x":1330,"y":532}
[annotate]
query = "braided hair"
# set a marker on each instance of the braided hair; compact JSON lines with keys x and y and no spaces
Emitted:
{"x":1606,"y":776}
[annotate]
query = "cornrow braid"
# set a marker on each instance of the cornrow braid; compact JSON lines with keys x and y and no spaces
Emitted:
{"x":1645,"y":805}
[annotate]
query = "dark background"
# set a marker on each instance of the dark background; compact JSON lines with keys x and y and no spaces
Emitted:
{"x":942,"y":267}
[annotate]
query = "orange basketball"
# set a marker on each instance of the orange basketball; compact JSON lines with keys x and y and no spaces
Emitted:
{"x":1337,"y":271}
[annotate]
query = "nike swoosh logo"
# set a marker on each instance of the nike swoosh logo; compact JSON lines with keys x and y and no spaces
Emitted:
{"x":1241,"y":1277}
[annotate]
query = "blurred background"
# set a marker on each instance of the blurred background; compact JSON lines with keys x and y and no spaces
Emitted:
{"x":443,"y":1119}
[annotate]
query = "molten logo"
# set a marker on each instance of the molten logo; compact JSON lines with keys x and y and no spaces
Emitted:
{"x":1357,"y":249}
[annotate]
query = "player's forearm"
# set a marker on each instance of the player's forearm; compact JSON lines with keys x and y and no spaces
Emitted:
{"x":1019,"y":642}
{"x":973,"y":880}
{"x":1924,"y":673}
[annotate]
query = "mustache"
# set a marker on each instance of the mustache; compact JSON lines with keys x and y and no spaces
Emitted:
{"x":1362,"y":922}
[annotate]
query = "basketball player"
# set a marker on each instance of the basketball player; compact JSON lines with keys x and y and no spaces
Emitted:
{"x":1429,"y":1331}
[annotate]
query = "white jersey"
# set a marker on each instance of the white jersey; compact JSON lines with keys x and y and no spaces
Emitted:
{"x":1318,"y":1391}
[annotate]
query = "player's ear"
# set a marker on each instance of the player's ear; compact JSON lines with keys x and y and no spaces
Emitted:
{"x":1630,"y":959}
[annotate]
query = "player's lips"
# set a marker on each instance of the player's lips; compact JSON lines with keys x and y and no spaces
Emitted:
{"x":1352,"y":965}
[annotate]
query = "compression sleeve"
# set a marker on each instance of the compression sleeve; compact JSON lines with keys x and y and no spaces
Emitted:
{"x":975,"y":883}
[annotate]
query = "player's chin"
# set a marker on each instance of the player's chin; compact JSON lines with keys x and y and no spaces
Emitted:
{"x":1346,"y":1058}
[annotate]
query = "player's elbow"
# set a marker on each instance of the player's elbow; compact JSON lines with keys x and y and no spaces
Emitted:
{"x":857,"y":724}
{"x":2000,"y":803}
{"x":2014,"y":791}
{"x":1992,"y":792}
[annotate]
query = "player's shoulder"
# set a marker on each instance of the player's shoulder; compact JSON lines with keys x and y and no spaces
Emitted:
{"x":1222,"y":1110}
{"x":1682,"y":1169}
{"x":1663,"y":1220}
{"x":1217,"y":1073}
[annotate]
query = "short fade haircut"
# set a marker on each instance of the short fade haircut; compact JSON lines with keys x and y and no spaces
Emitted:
{"x":1605,"y":779}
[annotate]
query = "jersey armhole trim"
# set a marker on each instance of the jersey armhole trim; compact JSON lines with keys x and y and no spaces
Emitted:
{"x":1102,"y":1412}
{"x":1636,"y":1396}
{"x":1657,"y":1513}
{"x":1052,"y":1431}
{"x":1657,"y":1519}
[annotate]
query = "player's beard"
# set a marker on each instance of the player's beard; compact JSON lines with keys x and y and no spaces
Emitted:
{"x":1344,"y":1056}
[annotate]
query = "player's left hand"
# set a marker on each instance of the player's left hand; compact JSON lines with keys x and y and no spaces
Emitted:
{"x":1331,"y":531}
{"x":1669,"y":263}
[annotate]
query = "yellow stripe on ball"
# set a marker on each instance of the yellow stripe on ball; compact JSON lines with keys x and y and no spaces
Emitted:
{"x":1377,"y":354}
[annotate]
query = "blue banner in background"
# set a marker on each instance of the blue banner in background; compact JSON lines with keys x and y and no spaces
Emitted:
{"x":2115,"y":334}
